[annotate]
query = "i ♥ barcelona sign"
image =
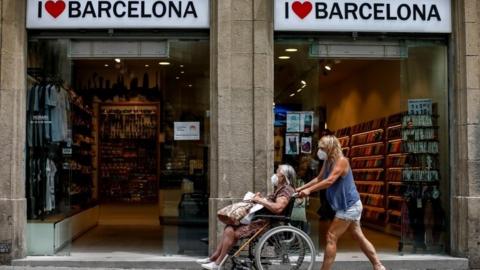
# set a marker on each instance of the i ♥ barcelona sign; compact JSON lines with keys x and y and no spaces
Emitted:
{"x":419,"y":16}
{"x":86,"y":14}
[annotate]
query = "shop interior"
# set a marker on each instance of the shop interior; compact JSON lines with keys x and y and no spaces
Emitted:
{"x":353,"y":91}
{"x":118,"y":146}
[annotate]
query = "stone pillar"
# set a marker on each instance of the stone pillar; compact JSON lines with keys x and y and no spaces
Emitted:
{"x":241,"y":101}
{"x":12,"y":130}
{"x":465,"y":216}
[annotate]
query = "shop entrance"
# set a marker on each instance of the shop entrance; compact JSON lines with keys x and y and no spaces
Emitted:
{"x":387,"y":104}
{"x":130,"y":167}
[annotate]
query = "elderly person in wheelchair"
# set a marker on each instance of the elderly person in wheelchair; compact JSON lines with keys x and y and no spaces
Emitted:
{"x":275,"y":204}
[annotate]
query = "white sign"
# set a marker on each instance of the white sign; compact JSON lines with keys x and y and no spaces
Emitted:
{"x":420,"y":106}
{"x":186,"y":131}
{"x":422,"y":16}
{"x":85,"y":14}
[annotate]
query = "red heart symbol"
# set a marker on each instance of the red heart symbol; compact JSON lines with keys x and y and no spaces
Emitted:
{"x":302,"y":9}
{"x":55,"y":8}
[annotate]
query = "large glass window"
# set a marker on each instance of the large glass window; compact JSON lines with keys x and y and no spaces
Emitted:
{"x":118,"y":139}
{"x":387,"y":102}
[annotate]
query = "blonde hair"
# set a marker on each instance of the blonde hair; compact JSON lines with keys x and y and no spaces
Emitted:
{"x":332,"y":147}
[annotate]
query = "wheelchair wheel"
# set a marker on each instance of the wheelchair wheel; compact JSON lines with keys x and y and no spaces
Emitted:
{"x":285,"y":247}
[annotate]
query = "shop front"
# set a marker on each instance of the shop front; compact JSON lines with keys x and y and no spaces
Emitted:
{"x":385,"y":97}
{"x":117,"y":127}
{"x":126,"y":125}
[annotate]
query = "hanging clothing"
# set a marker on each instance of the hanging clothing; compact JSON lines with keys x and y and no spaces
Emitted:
{"x":51,"y":171}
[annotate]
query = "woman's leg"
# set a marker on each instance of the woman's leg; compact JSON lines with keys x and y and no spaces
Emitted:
{"x":228,"y":240}
{"x":218,"y":250}
{"x":365,"y":245}
{"x":336,"y":229}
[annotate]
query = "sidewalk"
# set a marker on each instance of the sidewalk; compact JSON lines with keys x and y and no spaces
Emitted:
{"x":354,"y":260}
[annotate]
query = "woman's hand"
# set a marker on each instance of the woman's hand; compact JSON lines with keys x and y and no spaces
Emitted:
{"x":304,"y":193}
{"x":257,"y":198}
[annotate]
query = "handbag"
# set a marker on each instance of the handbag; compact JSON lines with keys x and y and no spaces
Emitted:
{"x":232,"y":214}
{"x":299,"y":211}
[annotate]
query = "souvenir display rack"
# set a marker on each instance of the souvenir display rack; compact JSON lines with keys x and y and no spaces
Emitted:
{"x":129,"y":152}
{"x":421,"y":179}
{"x":83,"y":152}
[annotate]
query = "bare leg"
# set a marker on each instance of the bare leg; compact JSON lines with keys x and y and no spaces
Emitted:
{"x":335,"y":231}
{"x":365,"y":245}
{"x":218,"y":250}
{"x":228,"y":240}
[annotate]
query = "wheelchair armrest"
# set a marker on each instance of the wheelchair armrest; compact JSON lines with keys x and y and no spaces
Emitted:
{"x":271,"y":217}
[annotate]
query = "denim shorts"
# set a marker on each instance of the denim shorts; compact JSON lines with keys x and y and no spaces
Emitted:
{"x":354,"y":213}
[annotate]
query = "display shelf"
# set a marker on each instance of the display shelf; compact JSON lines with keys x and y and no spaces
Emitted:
{"x":366,"y":144}
{"x":369,"y":157}
{"x":129,"y":153}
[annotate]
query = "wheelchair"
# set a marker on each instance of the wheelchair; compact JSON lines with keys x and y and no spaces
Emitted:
{"x":277,"y":245}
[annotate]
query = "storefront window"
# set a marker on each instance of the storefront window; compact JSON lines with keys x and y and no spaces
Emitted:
{"x":364,"y":92}
{"x":120,"y":156}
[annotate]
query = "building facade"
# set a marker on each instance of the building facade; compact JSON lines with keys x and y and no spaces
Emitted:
{"x":241,"y":153}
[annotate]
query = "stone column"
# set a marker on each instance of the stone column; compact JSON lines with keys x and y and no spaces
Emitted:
{"x":241,"y":101}
{"x":12,"y":130}
{"x":465,"y":216}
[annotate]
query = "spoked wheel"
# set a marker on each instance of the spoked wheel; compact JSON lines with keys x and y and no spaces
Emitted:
{"x":285,"y":247}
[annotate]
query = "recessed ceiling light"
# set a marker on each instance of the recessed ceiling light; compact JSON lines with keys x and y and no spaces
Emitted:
{"x":181,"y":66}
{"x":284,"y":57}
{"x":303,"y":82}
{"x":190,"y":85}
{"x":147,"y":65}
{"x":299,"y":90}
{"x":117,"y":60}
{"x":178,"y":78}
{"x":182,"y":72}
{"x":328,"y":67}
{"x":106,"y":65}
{"x":164,"y":63}
{"x":292,"y":95}
{"x":291,"y":50}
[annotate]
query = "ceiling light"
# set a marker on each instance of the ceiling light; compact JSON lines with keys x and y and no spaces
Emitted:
{"x":328,"y":67}
{"x":304,"y":82}
{"x":181,"y":66}
{"x":190,"y":85}
{"x":106,"y":65}
{"x":178,"y":78}
{"x":117,"y":60}
{"x":338,"y":61}
{"x":182,"y":72}
{"x":147,"y":65}
{"x":292,"y":95}
{"x":299,"y":90}
{"x":291,"y":50}
{"x":164,"y":63}
{"x":284,"y":57}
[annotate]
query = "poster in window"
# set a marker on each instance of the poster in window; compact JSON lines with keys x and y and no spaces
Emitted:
{"x":420,"y":106}
{"x":293,"y":122}
{"x":292,"y":144}
{"x":306,"y":122}
{"x":187,"y":131}
{"x":306,"y":145}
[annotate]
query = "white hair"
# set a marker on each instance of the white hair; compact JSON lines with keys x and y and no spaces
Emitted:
{"x":289,"y":173}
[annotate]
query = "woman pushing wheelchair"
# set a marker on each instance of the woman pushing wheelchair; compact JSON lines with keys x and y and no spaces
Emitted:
{"x":337,"y":178}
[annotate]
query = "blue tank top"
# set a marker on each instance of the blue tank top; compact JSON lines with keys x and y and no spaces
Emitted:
{"x":343,"y":193}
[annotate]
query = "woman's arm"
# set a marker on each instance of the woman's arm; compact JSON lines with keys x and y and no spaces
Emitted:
{"x":314,"y":180}
{"x":338,"y":170}
{"x":276,"y":207}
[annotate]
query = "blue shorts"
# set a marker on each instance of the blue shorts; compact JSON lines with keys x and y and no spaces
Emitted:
{"x":354,"y":213}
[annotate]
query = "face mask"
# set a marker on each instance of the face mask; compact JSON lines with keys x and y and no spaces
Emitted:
{"x":321,"y":155}
{"x":274,"y":179}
